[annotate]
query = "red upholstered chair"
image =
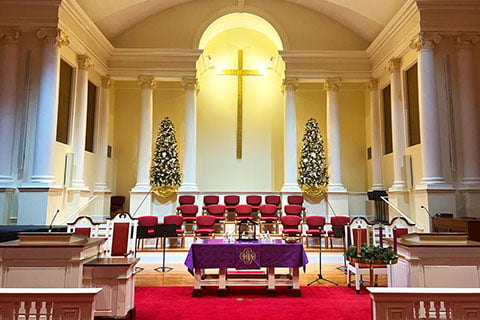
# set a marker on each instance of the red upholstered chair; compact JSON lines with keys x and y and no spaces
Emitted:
{"x":255,"y":201}
{"x":218,"y":211}
{"x":185,"y":199}
{"x":275,"y":200}
{"x":86,"y":226}
{"x":205,"y":226}
{"x":401,"y":225}
{"x":358,"y":230}
{"x":338,"y":224}
{"x":243,"y":211}
{"x":188,"y":213}
{"x":146,"y":229}
{"x":291,"y":226}
{"x":268,"y":215}
{"x":121,"y":235}
{"x":297,"y":200}
{"x":177,"y":220}
{"x":293,"y":209}
{"x":116,"y":203}
{"x":315,"y":226}
{"x":231,"y":201}
{"x":209,"y":200}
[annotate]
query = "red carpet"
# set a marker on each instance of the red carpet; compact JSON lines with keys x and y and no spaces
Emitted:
{"x":316,"y":302}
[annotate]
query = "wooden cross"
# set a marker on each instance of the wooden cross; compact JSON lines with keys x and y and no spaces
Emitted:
{"x":240,"y":72}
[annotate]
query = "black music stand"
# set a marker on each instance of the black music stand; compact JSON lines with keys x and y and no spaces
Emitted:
{"x":164,"y":231}
{"x":320,"y":276}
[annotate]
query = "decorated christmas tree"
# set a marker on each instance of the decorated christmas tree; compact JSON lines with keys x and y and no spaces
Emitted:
{"x":165,"y":177}
{"x":313,"y":173}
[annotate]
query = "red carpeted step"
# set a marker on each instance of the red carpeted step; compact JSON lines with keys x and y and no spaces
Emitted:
{"x":317,"y":302}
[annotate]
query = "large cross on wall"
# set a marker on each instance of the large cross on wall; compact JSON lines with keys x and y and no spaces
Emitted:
{"x":240,"y":73}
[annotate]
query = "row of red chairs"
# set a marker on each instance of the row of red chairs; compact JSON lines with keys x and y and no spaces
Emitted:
{"x":231,"y":201}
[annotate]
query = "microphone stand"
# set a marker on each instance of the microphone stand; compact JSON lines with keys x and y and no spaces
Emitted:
{"x":320,"y":276}
{"x":429,"y":215}
{"x":53,"y":219}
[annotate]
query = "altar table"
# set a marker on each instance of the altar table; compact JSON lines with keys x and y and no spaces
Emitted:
{"x":240,"y":255}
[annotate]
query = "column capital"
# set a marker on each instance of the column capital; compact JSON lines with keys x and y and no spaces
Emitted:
{"x":53,"y":36}
{"x":9,"y":36}
{"x":290,"y":84}
{"x":147,"y":82}
{"x":332,"y":84}
{"x":372,"y":84}
{"x":107,"y":82}
{"x":190,"y":83}
{"x":425,"y":40}
{"x":393,"y":65}
{"x":466,"y":41}
{"x":84,"y":62}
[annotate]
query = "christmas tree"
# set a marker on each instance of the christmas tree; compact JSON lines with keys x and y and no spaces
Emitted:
{"x":313,"y":173}
{"x":165,"y":175}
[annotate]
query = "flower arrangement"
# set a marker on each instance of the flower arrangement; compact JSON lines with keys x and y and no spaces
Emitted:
{"x":375,"y":254}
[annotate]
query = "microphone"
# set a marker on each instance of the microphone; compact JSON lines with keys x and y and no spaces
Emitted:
{"x":53,"y":219}
{"x":428,"y":212}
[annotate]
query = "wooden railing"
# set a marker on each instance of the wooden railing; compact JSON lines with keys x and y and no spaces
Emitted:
{"x":47,"y":303}
{"x":425,"y":303}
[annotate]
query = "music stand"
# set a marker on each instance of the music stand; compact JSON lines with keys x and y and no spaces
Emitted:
{"x":164,"y":231}
{"x":320,"y":276}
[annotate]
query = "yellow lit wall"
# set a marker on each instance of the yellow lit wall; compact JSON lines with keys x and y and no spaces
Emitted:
{"x":261,"y":167}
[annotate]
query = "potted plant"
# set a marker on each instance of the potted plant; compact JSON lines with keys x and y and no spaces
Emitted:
{"x":372,"y":255}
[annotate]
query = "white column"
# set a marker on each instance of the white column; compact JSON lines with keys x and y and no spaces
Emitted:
{"x":80,"y":122}
{"x":144,"y":157}
{"x":8,"y":102}
{"x":375,"y":135}
{"x":290,"y":138}
{"x":429,"y":121}
{"x":398,"y":129}
{"x":45,"y":133}
{"x":102,"y":135}
{"x":468,"y":112}
{"x":333,"y":136}
{"x":189,"y":183}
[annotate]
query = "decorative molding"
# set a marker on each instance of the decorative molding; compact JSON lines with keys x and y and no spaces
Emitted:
{"x":332,"y":84}
{"x":393,"y":65}
{"x":190,"y":83}
{"x":425,"y":41}
{"x":466,"y":41}
{"x":322,"y":64}
{"x":147,"y":82}
{"x":372,"y":84}
{"x":53,"y":36}
{"x":107,"y":82}
{"x":290,"y":84}
{"x":9,"y":36}
{"x":84,"y":62}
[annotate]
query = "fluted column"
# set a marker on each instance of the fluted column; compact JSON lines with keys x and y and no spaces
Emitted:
{"x":290,"y":137}
{"x":8,"y":101}
{"x":190,"y":162}
{"x":80,"y":121}
{"x":375,"y":136}
{"x":429,"y":121}
{"x":468,"y":111}
{"x":45,"y":133}
{"x":398,"y":130}
{"x":147,"y":85}
{"x":102,"y":135}
{"x":333,"y":136}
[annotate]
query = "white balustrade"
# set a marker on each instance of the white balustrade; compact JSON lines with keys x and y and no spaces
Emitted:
{"x":48,"y":303}
{"x":425,"y":303}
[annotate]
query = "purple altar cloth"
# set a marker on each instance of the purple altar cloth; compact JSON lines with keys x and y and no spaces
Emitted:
{"x":215,"y":253}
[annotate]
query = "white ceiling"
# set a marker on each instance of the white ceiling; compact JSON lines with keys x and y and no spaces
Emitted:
{"x":365,"y":17}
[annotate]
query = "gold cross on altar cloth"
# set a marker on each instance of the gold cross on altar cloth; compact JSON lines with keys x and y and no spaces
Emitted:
{"x":240,"y":72}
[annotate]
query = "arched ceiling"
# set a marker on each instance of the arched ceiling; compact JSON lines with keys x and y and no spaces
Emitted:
{"x":366,"y":17}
